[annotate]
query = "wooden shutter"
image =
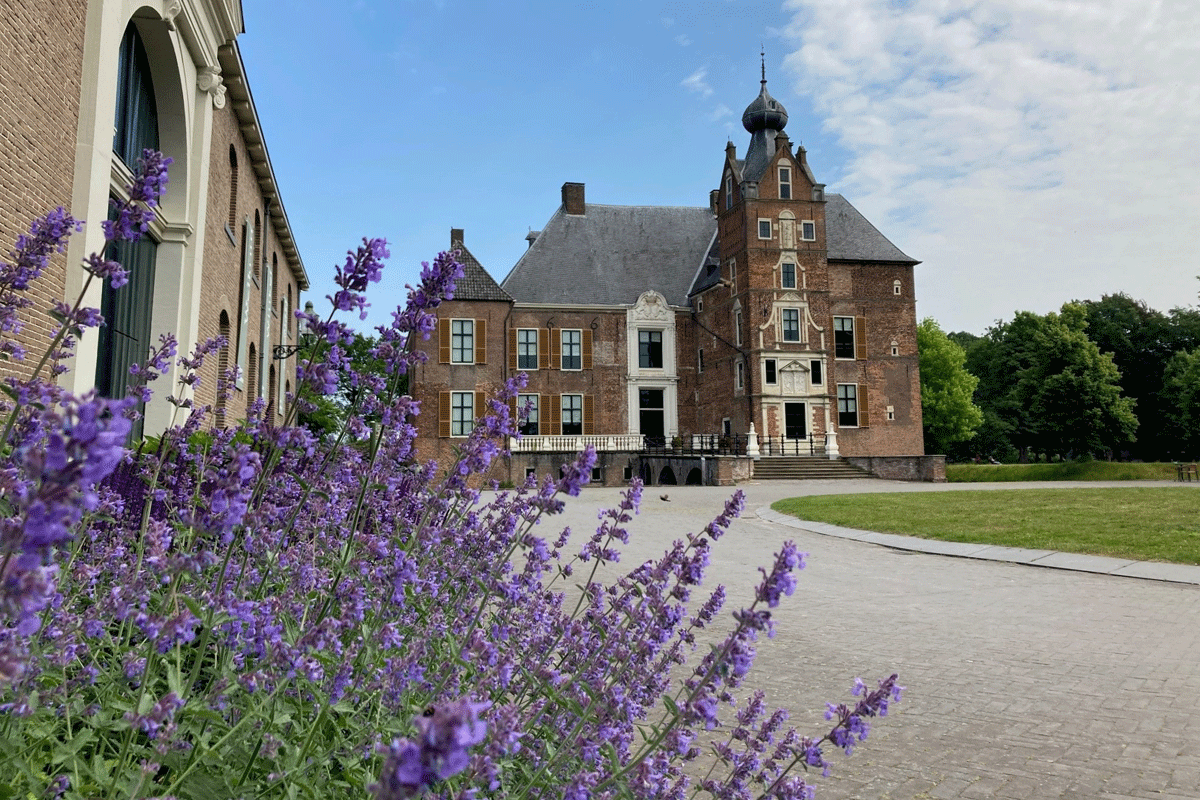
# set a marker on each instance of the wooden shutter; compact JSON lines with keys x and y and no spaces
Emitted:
{"x":554,"y":406}
{"x":587,"y":349}
{"x":512,"y":349}
{"x":860,"y":338}
{"x":512,"y":409}
{"x":444,"y":342}
{"x":864,"y":417}
{"x":543,"y":345}
{"x":481,"y":407}
{"x":588,"y":414}
{"x":556,"y":350}
{"x":444,"y":414}
{"x":481,"y":341}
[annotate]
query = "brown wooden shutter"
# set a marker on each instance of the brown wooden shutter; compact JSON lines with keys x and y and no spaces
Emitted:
{"x":444,"y":414}
{"x":588,"y":414}
{"x":587,"y":349}
{"x":512,"y":349}
{"x":864,"y":416}
{"x":443,"y":341}
{"x":481,"y":341}
{"x":480,"y":406}
{"x":860,"y":338}
{"x":554,"y":402}
{"x":512,"y":409}
{"x":556,"y":350}
{"x":543,"y":346}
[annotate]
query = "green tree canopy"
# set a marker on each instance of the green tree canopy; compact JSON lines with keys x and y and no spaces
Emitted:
{"x":948,"y":412}
{"x":1180,"y":402}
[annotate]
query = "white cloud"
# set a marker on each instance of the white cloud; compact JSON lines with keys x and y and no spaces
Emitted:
{"x":682,"y":40}
{"x":1028,"y":151}
{"x":695,"y":83}
{"x":720,"y":112}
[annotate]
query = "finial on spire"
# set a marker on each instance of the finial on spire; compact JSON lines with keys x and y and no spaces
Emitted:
{"x":763,"y":54}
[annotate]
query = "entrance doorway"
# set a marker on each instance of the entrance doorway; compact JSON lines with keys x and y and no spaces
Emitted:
{"x":651,"y":420}
{"x":794,"y":421}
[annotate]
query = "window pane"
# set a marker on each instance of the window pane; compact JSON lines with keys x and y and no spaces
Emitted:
{"x":572,"y":349}
{"x":815,"y":375}
{"x":527,"y":354}
{"x":847,"y":404}
{"x":808,"y":231}
{"x":529,"y":404}
{"x":785,"y":183}
{"x":462,"y":341}
{"x":843,"y":337}
{"x":462,"y":413}
{"x":789,"y":276}
{"x":572,"y":414}
{"x":764,"y":229}
{"x":650,"y":349}
{"x":770,"y":371}
{"x":791,"y":325}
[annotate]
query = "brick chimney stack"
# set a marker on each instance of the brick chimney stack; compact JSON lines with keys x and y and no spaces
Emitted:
{"x":456,"y":236}
{"x":572,"y":199}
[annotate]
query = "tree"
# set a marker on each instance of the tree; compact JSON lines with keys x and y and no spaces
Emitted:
{"x":326,"y":414}
{"x":1180,"y":402}
{"x":1051,"y":387}
{"x":948,"y":412}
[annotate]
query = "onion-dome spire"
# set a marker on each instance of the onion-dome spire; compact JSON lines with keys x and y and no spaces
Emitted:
{"x":765,"y":113}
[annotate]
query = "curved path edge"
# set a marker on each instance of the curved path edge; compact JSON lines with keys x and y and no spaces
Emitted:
{"x":1125,"y":568}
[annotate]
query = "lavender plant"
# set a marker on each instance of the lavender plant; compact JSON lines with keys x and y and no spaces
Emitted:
{"x":253,"y":612}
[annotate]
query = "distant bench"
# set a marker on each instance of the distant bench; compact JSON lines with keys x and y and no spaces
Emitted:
{"x":1188,"y":472}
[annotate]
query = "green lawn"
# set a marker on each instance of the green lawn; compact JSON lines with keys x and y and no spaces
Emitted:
{"x":1061,"y":471}
{"x":1147,"y":523}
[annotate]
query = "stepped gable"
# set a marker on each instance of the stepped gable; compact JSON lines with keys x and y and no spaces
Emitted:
{"x":851,"y":237}
{"x":476,"y":283}
{"x":610,"y":255}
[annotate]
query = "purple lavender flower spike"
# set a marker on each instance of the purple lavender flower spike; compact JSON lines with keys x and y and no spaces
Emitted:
{"x":444,"y":733}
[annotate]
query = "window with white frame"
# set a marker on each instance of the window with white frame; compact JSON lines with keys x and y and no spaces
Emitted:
{"x":728,"y":192}
{"x":462,"y":413}
{"x":847,"y":398}
{"x":733,"y":274}
{"x":815,"y":376}
{"x":572,"y":349}
{"x":808,"y":230}
{"x":896,"y":286}
{"x":572,"y":415}
{"x":791,"y":324}
{"x":891,"y":413}
{"x":527,"y":348}
{"x":843,"y":337}
{"x":785,"y":183}
{"x":787,"y":275}
{"x":895,"y":347}
{"x":764,"y":229}
{"x":740,"y":380}
{"x":737,"y":326}
{"x":771,"y":375}
{"x":528,"y":404}
{"x":650,"y":349}
{"x":462,"y":341}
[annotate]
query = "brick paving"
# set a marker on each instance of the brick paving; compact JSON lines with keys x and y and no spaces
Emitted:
{"x":1022,"y":681}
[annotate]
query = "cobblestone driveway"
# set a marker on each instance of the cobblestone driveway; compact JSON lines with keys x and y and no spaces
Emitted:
{"x":1022,"y":682}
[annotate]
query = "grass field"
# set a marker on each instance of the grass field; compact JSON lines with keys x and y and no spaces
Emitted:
{"x":1142,"y":523}
{"x":1063,"y":471}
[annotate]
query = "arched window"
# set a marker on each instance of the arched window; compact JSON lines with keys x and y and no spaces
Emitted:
{"x":223,"y":387}
{"x":136,"y":125}
{"x":233,"y":188}
{"x":125,"y":338}
{"x":252,"y":378}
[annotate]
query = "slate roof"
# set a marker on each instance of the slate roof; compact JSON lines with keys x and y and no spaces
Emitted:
{"x":612,"y":254}
{"x":476,"y":283}
{"x":850,"y":237}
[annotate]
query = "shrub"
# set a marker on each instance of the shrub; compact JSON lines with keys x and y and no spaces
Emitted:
{"x":258,"y":612}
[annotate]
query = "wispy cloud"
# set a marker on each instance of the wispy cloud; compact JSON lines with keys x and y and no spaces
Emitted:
{"x":696,"y":83}
{"x":720,"y":112}
{"x":1028,"y":151}
{"x":682,"y":40}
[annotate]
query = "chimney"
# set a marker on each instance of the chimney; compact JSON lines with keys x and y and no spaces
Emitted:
{"x":730,"y":150}
{"x":782,"y":142}
{"x":456,"y":236}
{"x":531,"y":237}
{"x":714,"y":200}
{"x":572,"y":199}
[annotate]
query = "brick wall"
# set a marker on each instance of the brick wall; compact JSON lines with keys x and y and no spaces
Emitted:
{"x":40,"y":79}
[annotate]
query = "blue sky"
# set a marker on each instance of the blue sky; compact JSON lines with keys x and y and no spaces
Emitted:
{"x":1029,"y":152}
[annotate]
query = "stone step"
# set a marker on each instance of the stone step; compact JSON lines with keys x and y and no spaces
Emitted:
{"x":805,"y":468}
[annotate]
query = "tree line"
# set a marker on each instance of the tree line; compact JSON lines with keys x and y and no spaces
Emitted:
{"x":1109,"y":378}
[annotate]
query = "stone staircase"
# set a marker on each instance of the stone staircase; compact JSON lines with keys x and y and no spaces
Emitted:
{"x":805,"y":468}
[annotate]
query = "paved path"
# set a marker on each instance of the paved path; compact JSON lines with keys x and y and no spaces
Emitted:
{"x":1022,"y":682}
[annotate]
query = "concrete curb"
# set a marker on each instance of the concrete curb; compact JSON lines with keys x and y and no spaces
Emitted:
{"x":1146,"y":570}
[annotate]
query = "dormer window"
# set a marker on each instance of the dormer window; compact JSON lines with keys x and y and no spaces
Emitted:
{"x":728,"y":192}
{"x":785,"y":183}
